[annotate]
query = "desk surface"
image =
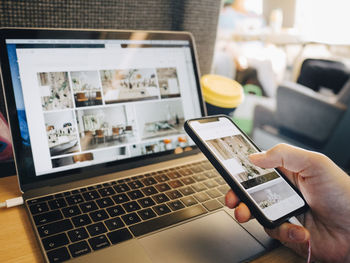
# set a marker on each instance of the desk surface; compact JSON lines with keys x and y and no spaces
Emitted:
{"x":18,"y":243}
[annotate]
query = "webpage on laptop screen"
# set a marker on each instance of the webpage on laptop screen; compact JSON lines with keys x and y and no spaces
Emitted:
{"x":98,"y":101}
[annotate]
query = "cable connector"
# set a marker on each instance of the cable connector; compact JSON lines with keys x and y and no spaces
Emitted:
{"x":12,"y":202}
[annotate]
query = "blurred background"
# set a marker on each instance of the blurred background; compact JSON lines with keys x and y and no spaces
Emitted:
{"x":292,"y":58}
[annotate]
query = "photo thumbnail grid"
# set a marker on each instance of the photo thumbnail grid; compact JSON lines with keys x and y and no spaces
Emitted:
{"x":92,"y":110}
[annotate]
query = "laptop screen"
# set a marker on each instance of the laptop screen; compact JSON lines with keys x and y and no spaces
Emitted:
{"x":84,"y":102}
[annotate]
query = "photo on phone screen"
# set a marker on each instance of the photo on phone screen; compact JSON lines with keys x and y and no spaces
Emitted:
{"x":270,"y":192}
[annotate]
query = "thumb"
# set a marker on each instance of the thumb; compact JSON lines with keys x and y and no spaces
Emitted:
{"x":291,"y":158}
{"x":289,"y":233}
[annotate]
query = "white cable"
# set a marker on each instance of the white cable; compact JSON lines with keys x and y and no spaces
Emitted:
{"x":12,"y":202}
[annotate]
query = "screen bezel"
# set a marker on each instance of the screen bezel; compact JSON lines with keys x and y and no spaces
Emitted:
{"x":242,"y":194}
{"x":28,"y":179}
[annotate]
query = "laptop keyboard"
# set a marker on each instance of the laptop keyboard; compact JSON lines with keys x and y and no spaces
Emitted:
{"x":77,"y":222}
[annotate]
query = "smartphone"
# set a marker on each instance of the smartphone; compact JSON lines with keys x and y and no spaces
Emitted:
{"x":271,"y":198}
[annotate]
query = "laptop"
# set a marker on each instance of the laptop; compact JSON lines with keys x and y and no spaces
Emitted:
{"x":106,"y":170}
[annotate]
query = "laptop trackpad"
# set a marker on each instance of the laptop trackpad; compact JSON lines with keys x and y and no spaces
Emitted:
{"x":214,"y":238}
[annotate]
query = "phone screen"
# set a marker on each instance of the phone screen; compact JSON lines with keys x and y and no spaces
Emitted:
{"x":270,"y":192}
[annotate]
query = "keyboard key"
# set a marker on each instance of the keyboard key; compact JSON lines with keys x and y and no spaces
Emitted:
{"x":96,"y":229}
{"x":106,"y":191}
{"x":207,"y":165}
{"x":199,"y":187}
{"x":58,"y":195}
{"x":119,"y":236}
{"x":196,"y":169}
{"x":166,"y":220}
{"x":121,"y":198}
{"x":221,"y":199}
{"x":146,"y":202}
{"x":106,"y":184}
{"x":88,"y":207}
{"x":54,"y":228}
{"x":162,"y":178}
{"x":99,"y":242}
{"x":213,"y":193}
{"x":211,"y":184}
{"x":149,"y":181}
{"x":91,"y":195}
{"x":48,"y":217}
{"x":79,"y":249}
{"x":175,"y":194}
{"x":114,"y":223}
{"x":105,"y":202}
{"x":176,"y":184}
{"x":202,"y":197}
{"x":162,"y":209}
{"x":81,"y":220}
{"x":199,"y":177}
{"x":211,"y":174}
{"x":78,"y":234}
{"x":135,"y":184}
{"x":98,"y":215}
{"x":220,"y":181}
{"x":160,"y":198}
{"x":187,"y":190}
{"x":176,"y":205}
{"x":74,"y":192}
{"x":212,"y":205}
{"x":162,"y":187}
{"x":67,"y":193}
{"x":149,"y":190}
{"x":185,"y":172}
{"x":39,"y":200}
{"x":131,"y":206}
{"x":71,"y":211}
{"x":39,"y":208}
{"x":55,"y":241}
{"x":224,"y":189}
{"x":130,"y":219}
{"x":58,"y":255}
{"x":146,"y":214}
{"x":74,"y":199}
{"x":115,"y":211}
{"x":136,"y":194}
{"x":188,"y":180}
{"x":120,"y":188}
{"x":189,"y":201}
{"x":57,"y":203}
{"x":173,"y":175}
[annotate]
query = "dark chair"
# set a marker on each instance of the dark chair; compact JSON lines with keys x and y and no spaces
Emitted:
{"x":307,"y":119}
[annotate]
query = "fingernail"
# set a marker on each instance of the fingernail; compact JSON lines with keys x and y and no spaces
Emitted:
{"x":296,"y":234}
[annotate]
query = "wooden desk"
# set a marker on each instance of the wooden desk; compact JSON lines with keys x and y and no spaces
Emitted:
{"x":18,"y":243}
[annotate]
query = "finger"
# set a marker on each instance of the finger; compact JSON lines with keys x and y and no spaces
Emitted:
{"x":242,"y":213}
{"x":289,"y":233}
{"x":289,"y":157}
{"x":231,"y":199}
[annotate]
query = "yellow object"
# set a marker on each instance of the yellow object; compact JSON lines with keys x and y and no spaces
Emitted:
{"x":221,"y":91}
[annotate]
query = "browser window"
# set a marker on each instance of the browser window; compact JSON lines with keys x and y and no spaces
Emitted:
{"x":84,"y":102}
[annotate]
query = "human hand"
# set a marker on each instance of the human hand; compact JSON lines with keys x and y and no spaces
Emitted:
{"x":326,"y":189}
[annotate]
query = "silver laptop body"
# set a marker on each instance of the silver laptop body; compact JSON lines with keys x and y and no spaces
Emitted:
{"x":106,"y":169}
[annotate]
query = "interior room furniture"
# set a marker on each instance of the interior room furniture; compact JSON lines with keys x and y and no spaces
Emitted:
{"x":81,"y":99}
{"x":18,"y":244}
{"x":307,"y":119}
{"x":83,"y":157}
{"x":99,"y":134}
